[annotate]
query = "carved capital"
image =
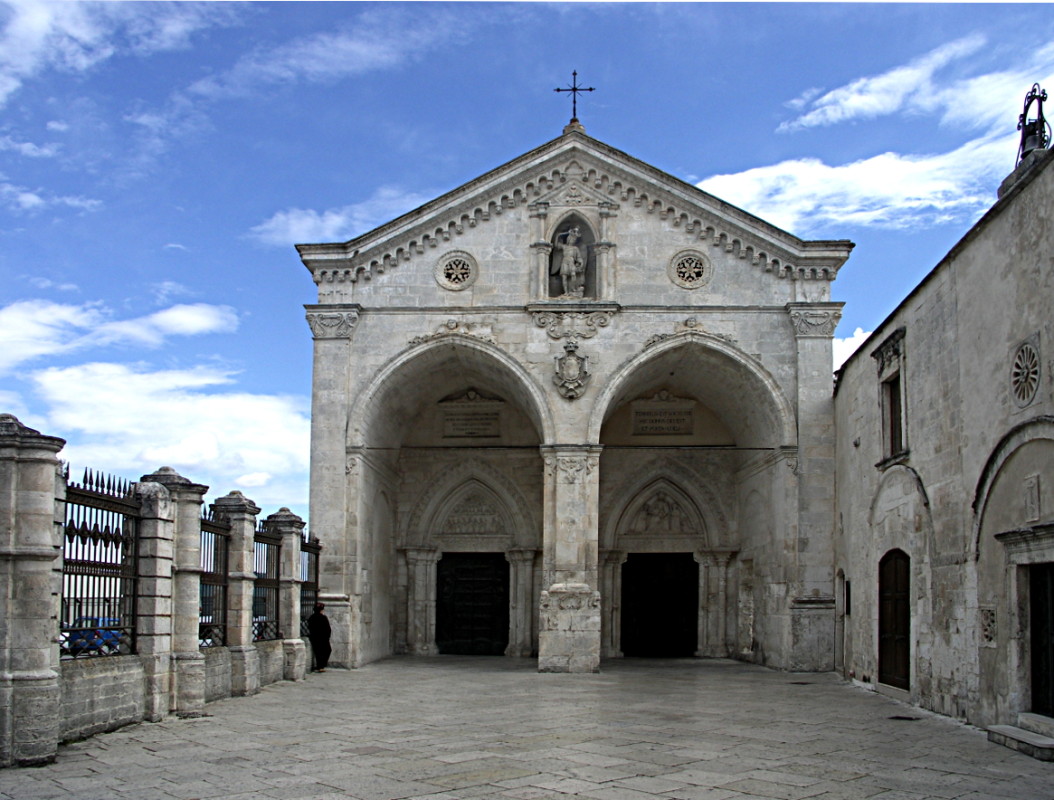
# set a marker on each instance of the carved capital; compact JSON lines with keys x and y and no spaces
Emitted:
{"x":571,"y":469}
{"x":332,"y":324}
{"x":813,"y":321}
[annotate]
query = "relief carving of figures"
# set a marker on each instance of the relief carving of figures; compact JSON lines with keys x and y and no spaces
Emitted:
{"x":660,"y":514}
{"x":572,"y":372}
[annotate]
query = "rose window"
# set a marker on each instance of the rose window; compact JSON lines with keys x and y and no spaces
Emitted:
{"x":690,"y":269}
{"x":1024,"y":374}
{"x":456,"y":271}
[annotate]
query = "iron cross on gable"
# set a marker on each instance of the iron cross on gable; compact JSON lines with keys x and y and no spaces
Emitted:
{"x":574,"y":89}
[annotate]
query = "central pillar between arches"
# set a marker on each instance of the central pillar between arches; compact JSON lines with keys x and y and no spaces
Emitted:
{"x":569,"y":619}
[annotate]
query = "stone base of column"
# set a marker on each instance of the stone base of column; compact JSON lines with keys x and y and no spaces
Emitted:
{"x":294,"y":659}
{"x":190,"y":682}
{"x":812,"y":634}
{"x":569,"y":635}
{"x":29,"y":720}
{"x":245,"y":670}
{"x":157,"y":686}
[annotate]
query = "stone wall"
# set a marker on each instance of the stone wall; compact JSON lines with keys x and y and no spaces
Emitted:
{"x":47,"y":696}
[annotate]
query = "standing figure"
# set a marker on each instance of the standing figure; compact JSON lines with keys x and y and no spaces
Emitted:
{"x":571,"y":264}
{"x":318,"y":632}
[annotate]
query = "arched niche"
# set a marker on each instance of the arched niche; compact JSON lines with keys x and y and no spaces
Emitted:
{"x":573,"y":260}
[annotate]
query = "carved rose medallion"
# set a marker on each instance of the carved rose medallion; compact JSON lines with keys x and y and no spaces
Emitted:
{"x":572,"y":372}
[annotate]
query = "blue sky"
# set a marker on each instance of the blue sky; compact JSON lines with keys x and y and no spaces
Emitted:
{"x":159,"y":160}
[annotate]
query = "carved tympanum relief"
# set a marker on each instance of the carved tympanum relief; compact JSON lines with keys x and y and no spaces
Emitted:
{"x":474,"y":514}
{"x":660,"y":514}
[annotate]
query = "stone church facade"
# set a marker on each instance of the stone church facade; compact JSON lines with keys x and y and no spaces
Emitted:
{"x":578,"y":409}
{"x":575,"y":409}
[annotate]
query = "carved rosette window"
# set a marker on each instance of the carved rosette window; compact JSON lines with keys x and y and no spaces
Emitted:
{"x":690,"y":269}
{"x":1024,"y":374}
{"x":456,"y":271}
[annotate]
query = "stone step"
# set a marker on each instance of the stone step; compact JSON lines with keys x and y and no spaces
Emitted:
{"x":1031,"y":744}
{"x":1037,"y":723}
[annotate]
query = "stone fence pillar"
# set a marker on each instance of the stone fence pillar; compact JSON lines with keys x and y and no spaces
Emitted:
{"x":188,"y":667}
{"x":154,"y":596}
{"x":290,"y":527}
{"x":30,"y":549}
{"x":240,"y":512}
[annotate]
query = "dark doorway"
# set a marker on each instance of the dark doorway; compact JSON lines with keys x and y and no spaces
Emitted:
{"x":894,"y":619}
{"x":660,"y":605}
{"x":1041,"y":621}
{"x":472,"y":606}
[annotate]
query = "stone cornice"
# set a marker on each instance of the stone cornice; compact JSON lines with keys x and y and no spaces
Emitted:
{"x":603,"y":171}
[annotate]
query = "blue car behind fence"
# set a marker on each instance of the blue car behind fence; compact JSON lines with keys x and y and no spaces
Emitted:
{"x":94,"y":635}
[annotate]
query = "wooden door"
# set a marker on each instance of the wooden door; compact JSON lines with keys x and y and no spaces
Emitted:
{"x":660,"y":605}
{"x":472,"y":604}
{"x":1041,"y":622}
{"x":894,"y":619}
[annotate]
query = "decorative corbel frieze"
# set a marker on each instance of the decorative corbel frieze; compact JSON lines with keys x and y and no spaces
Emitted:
{"x":817,"y":320}
{"x":332,"y":324}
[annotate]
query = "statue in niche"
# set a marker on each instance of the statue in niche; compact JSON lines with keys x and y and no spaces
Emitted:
{"x":571,"y":264}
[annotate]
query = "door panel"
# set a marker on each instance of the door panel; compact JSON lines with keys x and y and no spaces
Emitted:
{"x":894,"y":619}
{"x":660,"y":604}
{"x":1041,"y":622}
{"x":472,"y":604}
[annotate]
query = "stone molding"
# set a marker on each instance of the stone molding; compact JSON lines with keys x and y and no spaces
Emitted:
{"x":572,"y":324}
{"x":335,"y":324}
{"x":586,"y":172}
{"x":889,"y":353}
{"x":816,"y":321}
{"x":454,"y":327}
{"x":690,"y":325}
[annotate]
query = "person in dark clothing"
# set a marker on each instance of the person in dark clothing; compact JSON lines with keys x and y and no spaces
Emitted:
{"x":318,"y":632}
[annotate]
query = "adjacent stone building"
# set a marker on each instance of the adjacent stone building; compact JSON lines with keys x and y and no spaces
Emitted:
{"x":576,"y":408}
{"x":944,"y":556}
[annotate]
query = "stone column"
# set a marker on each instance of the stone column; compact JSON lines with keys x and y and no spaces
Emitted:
{"x":30,"y":549}
{"x":188,"y":690}
{"x":812,"y":604}
{"x":569,"y":623}
{"x":290,"y":527}
{"x":721,"y":567}
{"x":240,"y":512}
{"x":521,"y":602}
{"x":421,"y":600}
{"x":703,"y":646}
{"x":153,"y":641}
{"x":611,"y":562}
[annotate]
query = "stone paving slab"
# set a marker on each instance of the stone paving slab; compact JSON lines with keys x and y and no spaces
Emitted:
{"x":454,"y":728}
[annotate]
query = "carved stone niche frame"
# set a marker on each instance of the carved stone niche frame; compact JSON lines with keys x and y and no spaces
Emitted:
{"x":572,"y":273}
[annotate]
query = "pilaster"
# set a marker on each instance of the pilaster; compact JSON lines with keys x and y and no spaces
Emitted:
{"x":188,"y":690}
{"x":30,"y":550}
{"x":521,"y":593}
{"x":611,"y":562}
{"x":240,"y":512}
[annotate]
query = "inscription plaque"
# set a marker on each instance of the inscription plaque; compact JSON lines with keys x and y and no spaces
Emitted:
{"x":471,"y":423}
{"x":664,"y":415}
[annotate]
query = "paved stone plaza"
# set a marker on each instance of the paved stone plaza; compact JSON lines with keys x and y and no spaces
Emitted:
{"x":450,"y":728}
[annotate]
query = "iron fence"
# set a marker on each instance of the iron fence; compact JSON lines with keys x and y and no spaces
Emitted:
{"x":99,"y":568}
{"x":309,"y":551}
{"x":266,"y":552}
{"x":212,"y":607}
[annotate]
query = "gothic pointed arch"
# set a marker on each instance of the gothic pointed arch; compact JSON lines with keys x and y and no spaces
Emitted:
{"x":661,"y":513}
{"x":469,"y":499}
{"x":719,"y":374}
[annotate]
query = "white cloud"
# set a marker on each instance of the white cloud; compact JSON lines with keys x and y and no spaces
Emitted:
{"x":377,"y":41}
{"x":21,"y":199}
{"x":28,"y":149}
{"x":31,"y":329}
{"x":47,"y":283}
{"x":58,"y":126}
{"x":42,"y":35}
{"x":300,"y":225}
{"x":845,"y":347}
{"x":886,"y":191}
{"x":133,"y":420}
{"x":878,"y":95}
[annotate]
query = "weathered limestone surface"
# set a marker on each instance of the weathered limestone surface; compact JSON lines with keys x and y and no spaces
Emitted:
{"x":574,"y":353}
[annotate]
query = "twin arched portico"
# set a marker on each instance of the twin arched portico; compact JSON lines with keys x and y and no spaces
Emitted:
{"x":473,"y":456}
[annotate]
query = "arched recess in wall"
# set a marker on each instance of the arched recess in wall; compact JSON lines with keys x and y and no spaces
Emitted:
{"x":734,"y":386}
{"x":901,"y":495}
{"x":515,"y":523}
{"x":1035,"y":434}
{"x":573,"y":259}
{"x":432,"y":370}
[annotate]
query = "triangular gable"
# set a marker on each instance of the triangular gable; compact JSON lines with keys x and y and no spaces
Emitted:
{"x":575,"y":169}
